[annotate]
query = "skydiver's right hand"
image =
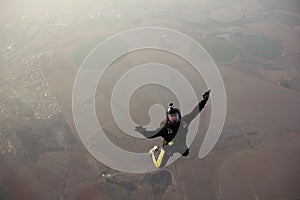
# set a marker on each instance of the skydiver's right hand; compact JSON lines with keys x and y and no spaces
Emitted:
{"x":140,"y":129}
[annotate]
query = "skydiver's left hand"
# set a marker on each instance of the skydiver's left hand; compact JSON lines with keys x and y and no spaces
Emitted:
{"x":140,"y":129}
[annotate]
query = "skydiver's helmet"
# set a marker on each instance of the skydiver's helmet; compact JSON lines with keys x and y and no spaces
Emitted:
{"x":173,"y":114}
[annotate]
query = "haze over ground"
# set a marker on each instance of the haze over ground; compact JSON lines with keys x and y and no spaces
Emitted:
{"x":255,"y":44}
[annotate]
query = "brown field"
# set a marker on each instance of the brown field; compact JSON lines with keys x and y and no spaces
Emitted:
{"x":256,"y":156}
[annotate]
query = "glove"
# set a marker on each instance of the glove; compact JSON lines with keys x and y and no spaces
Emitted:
{"x":205,"y":95}
{"x":140,"y":129}
{"x":186,"y":153}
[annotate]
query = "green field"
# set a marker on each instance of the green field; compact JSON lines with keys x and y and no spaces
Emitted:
{"x":79,"y":53}
{"x":287,"y":19}
{"x":219,"y":49}
{"x":4,"y":195}
{"x":262,"y":46}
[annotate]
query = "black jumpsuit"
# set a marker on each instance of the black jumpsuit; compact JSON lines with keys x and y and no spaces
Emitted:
{"x":176,"y":133}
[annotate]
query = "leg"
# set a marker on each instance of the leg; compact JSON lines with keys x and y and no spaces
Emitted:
{"x":157,"y":162}
{"x":161,"y":156}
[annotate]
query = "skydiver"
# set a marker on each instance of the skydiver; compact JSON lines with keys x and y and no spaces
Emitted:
{"x":173,"y":130}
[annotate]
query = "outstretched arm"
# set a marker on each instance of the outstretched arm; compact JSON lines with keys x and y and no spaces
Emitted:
{"x":149,"y":134}
{"x":198,"y":108}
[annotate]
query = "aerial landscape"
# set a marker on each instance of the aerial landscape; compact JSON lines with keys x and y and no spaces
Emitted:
{"x":254,"y":43}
